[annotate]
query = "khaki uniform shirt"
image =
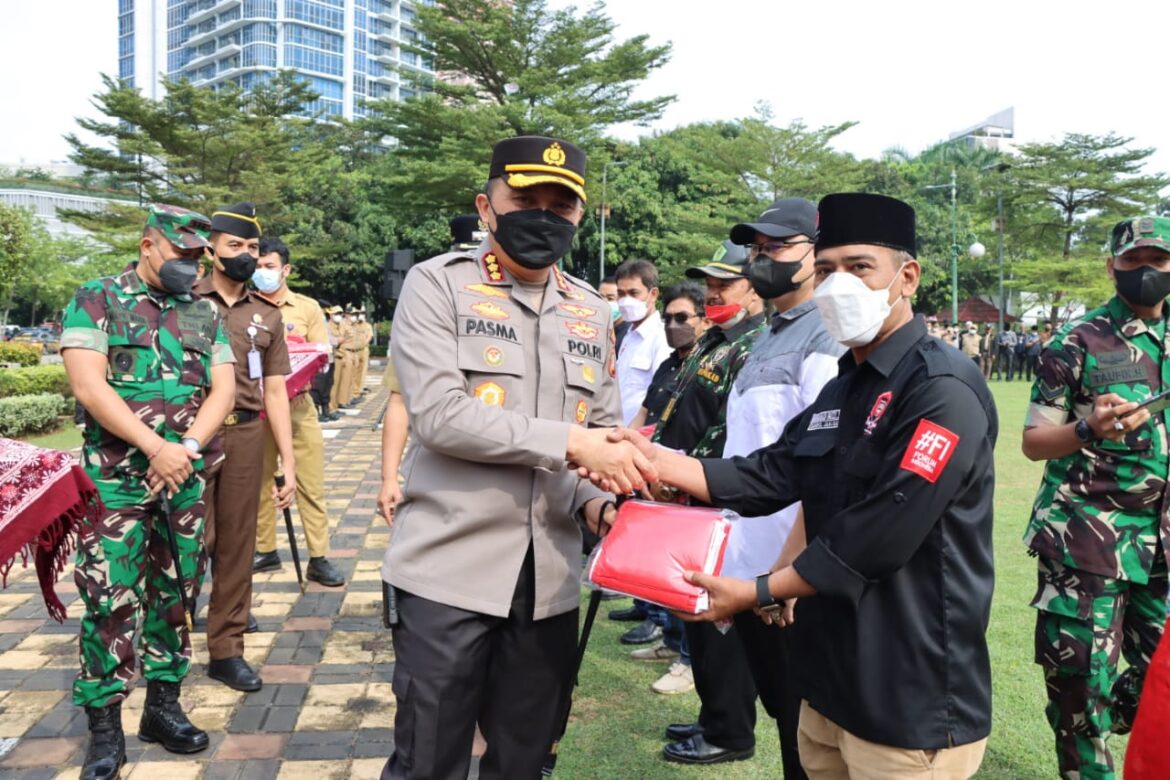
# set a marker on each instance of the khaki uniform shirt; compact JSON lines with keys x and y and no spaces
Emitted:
{"x":302,"y":316}
{"x":363,"y":335}
{"x":492,"y":380}
{"x":343,"y":333}
{"x":250,"y":310}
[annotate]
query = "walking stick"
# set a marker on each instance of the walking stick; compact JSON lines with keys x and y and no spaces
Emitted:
{"x":550,"y":763}
{"x":164,"y":504}
{"x":292,"y":537}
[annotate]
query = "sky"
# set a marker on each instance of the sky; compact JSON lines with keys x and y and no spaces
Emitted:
{"x":909,"y":72}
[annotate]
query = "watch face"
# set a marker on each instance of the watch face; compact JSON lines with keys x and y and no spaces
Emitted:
{"x":773,"y":610}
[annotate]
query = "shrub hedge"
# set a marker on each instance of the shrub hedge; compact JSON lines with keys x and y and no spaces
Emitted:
{"x":21,"y":354}
{"x":34,"y":380}
{"x":21,"y":415}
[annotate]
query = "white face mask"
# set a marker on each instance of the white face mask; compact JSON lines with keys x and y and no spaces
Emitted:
{"x":337,"y":318}
{"x":632,"y":309}
{"x":852,"y":312}
{"x":361,"y":318}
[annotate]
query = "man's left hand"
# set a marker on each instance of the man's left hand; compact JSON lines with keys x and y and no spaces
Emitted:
{"x":726,"y":596}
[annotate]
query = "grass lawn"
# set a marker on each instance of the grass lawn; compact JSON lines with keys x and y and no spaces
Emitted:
{"x":65,"y":438}
{"x":618,"y":721}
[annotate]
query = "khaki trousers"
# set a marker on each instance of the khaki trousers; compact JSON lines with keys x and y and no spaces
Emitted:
{"x":359,"y":372}
{"x":342,"y":379}
{"x":829,"y":752}
{"x":309,"y":448}
{"x":231,"y":537}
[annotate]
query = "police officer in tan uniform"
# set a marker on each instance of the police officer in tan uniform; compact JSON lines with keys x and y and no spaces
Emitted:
{"x":503,"y":361}
{"x":363,"y":335}
{"x":303,"y":318}
{"x":340,"y":330}
{"x":255,"y":330}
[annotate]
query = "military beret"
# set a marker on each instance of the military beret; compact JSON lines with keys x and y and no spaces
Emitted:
{"x":238,"y":220}
{"x":865,"y":218}
{"x":528,"y":160}
{"x":184,"y":228}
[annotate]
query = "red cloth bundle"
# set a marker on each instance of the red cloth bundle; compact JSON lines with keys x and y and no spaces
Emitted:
{"x":652,"y":545}
{"x":306,"y":358}
{"x":44,"y":495}
{"x":1148,"y":754}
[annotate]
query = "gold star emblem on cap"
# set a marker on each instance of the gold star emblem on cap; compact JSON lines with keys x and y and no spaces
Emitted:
{"x":554,"y":155}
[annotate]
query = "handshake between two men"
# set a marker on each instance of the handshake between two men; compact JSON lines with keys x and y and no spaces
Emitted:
{"x":621,"y":460}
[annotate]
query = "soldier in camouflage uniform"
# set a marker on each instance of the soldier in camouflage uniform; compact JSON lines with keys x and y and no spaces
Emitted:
{"x":1100,"y":523}
{"x":152,"y":366}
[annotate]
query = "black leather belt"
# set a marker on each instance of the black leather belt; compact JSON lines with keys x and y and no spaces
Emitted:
{"x":238,"y":417}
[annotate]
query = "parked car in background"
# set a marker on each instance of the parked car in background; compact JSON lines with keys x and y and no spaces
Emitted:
{"x":10,"y":331}
{"x":49,"y":341}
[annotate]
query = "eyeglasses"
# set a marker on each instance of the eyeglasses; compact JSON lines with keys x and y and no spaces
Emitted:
{"x":679,"y":317}
{"x":774,"y":247}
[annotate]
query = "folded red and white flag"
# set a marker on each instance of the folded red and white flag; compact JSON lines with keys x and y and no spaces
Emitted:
{"x":651,"y":546}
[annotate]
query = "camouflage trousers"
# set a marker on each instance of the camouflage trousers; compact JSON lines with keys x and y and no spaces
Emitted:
{"x":1085,"y":624}
{"x":124,"y":571}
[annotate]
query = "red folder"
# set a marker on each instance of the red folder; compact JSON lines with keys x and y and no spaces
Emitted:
{"x":651,"y":545}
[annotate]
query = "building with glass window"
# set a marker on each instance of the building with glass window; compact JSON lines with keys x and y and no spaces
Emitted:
{"x":350,"y":51}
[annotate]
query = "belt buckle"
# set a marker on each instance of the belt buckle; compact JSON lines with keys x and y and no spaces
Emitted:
{"x":231,"y":419}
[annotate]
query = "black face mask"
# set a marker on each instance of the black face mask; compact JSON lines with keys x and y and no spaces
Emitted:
{"x":177,"y":276}
{"x":239,"y":268}
{"x":534,"y":238}
{"x":771,"y":279}
{"x":1143,"y":286}
{"x":680,"y":336}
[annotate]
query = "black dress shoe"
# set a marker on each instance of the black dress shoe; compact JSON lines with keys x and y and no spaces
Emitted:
{"x":643,"y":633}
{"x":235,"y":673}
{"x":677,"y":732}
{"x":696,"y":750}
{"x":163,"y":720}
{"x":269,"y":561}
{"x":252,"y":627}
{"x":629,"y":613}
{"x":324,"y":572}
{"x":107,"y":744}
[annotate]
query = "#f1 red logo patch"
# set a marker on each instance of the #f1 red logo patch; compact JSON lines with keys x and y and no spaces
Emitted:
{"x":929,"y":451}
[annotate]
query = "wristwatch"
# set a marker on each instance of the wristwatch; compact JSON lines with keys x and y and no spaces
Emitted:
{"x":191,"y":443}
{"x":764,"y":598}
{"x":1084,"y":431}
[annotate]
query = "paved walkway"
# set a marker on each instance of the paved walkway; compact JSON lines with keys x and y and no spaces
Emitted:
{"x":326,"y":709}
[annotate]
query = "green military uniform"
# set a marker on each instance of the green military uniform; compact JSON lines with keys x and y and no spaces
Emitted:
{"x":1099,"y":527}
{"x":161,"y":349}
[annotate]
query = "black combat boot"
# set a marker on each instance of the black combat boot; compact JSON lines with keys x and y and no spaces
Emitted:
{"x":163,"y":720}
{"x":107,"y":744}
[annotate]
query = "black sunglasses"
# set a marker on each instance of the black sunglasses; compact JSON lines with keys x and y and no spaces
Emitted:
{"x":679,"y":317}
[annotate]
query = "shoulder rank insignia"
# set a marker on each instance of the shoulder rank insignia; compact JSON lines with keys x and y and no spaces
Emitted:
{"x":490,"y":394}
{"x":491,"y":268}
{"x":562,"y":283}
{"x":490,"y":310}
{"x":486,"y":290}
{"x":581,"y":312}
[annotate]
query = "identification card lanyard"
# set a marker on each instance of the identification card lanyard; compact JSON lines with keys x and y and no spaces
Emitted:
{"x":254,"y":369}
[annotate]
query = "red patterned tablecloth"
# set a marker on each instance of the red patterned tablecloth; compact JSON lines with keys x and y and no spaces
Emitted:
{"x":44,"y":494}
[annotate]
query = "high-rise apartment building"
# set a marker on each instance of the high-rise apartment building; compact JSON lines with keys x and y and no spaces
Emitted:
{"x":348,"y":50}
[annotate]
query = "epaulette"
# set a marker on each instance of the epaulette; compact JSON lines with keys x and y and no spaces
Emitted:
{"x":573,"y":283}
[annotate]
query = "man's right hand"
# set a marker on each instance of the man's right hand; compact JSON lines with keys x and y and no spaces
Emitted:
{"x":170,"y":468}
{"x":388,"y":499}
{"x":1113,"y":417}
{"x":605,"y":456}
{"x":644,"y":462}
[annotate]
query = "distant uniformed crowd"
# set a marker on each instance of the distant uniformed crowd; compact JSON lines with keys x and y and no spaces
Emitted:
{"x":786,"y":381}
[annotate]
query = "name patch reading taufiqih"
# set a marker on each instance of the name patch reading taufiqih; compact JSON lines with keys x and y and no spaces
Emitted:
{"x":1134,"y":372}
{"x":826,"y":420}
{"x":477,"y":327}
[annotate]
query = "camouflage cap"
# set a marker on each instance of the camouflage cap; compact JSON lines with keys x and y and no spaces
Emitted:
{"x":184,"y":228}
{"x":1138,"y":232}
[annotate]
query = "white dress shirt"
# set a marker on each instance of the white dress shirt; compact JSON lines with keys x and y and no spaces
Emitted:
{"x":643,"y":350}
{"x":788,"y":366}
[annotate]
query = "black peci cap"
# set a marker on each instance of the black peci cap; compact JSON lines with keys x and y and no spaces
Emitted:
{"x":528,"y":160}
{"x":865,"y":218}
{"x":238,"y":220}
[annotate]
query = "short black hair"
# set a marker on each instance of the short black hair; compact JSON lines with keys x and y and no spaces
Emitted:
{"x":643,"y":270}
{"x":609,"y":280}
{"x":274,"y":244}
{"x":688,"y":290}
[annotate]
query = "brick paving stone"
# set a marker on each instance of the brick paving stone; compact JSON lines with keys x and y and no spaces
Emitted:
{"x":251,"y":746}
{"x":307,"y":624}
{"x":290,"y":695}
{"x":33,"y":752}
{"x":285,"y":673}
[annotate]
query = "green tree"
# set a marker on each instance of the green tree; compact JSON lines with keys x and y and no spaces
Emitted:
{"x":513,"y":68}
{"x":1066,"y":195}
{"x":16,"y":226}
